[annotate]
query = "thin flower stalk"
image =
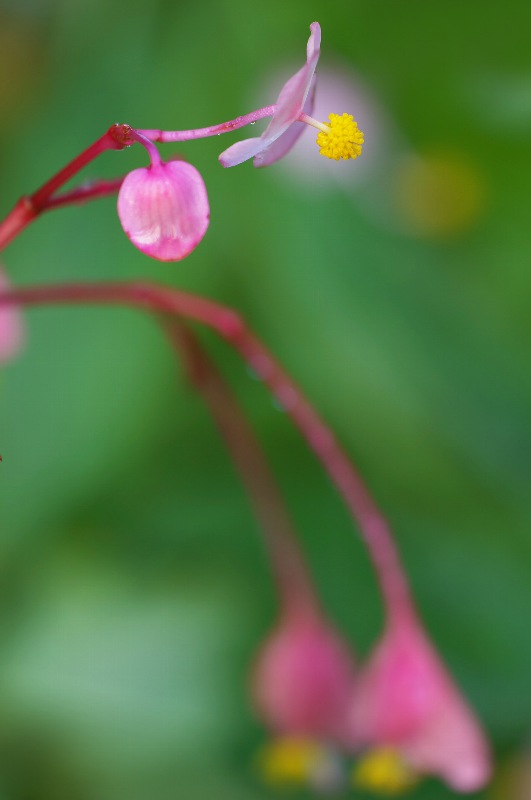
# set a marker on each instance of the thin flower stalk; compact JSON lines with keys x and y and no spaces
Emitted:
{"x":295,"y":588}
{"x":90,"y":190}
{"x":28,"y":208}
{"x":302,"y":674}
{"x":157,"y":135}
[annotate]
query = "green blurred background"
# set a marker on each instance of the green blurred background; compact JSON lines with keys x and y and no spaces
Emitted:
{"x":397,"y":290}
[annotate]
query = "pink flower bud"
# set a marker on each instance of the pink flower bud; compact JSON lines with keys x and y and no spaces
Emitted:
{"x":164,"y":209}
{"x":303,"y":679}
{"x":405,"y":699}
{"x":11,"y":327}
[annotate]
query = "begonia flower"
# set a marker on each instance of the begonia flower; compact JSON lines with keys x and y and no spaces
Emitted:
{"x":284,"y":128}
{"x":339,"y":137}
{"x":11,"y":326}
{"x":301,"y":685}
{"x":303,"y":679}
{"x":406,"y":702}
{"x":164,"y":209}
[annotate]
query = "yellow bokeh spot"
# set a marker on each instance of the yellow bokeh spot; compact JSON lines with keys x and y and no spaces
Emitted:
{"x":383,"y":771}
{"x":438,"y":195}
{"x":343,"y":138}
{"x":289,"y":761}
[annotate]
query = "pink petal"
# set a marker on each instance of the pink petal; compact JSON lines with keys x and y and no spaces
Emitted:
{"x":289,"y":106}
{"x":12,"y":329}
{"x":406,"y":699}
{"x":303,"y":679}
{"x":281,"y":146}
{"x":314,"y":42}
{"x":452,"y":745}
{"x":164,"y":209}
{"x":242,"y":151}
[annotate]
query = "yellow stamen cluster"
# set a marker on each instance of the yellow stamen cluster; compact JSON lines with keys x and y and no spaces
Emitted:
{"x":383,"y":771}
{"x":289,"y":761}
{"x":342,"y":139}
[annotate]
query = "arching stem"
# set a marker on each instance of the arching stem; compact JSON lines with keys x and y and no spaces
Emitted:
{"x":231,"y":327}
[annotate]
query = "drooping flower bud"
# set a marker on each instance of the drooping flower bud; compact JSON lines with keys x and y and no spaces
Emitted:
{"x":405,"y":700}
{"x":164,"y":209}
{"x":303,"y":679}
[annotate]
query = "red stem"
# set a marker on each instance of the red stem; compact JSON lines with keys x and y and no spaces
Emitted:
{"x":228,"y":324}
{"x":28,"y":208}
{"x":288,"y":565}
{"x":92,"y":190}
{"x":157,"y":135}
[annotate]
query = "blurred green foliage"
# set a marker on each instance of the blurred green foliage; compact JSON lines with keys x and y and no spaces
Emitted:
{"x":133,"y":581}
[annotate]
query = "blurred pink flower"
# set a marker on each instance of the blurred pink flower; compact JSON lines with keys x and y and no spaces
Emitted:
{"x":11,"y":327}
{"x":284,"y":129}
{"x":164,"y":209}
{"x":405,"y":699}
{"x":303,"y":679}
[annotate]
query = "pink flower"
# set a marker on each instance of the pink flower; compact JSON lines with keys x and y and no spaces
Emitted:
{"x":11,"y":327}
{"x":164,"y":209}
{"x":302,"y":679}
{"x":284,"y":128}
{"x":406,"y":700}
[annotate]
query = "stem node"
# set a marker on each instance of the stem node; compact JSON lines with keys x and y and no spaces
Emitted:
{"x":122,"y":135}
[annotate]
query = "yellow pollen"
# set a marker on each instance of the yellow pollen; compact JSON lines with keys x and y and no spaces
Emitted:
{"x":343,"y":138}
{"x":289,"y":761}
{"x":383,"y":771}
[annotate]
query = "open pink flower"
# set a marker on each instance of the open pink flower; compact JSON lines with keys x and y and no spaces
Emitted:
{"x":302,"y":679}
{"x":406,"y":700}
{"x":11,"y":327}
{"x":164,"y":209}
{"x":284,"y":129}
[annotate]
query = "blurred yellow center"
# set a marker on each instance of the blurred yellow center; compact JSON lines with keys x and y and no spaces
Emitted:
{"x":340,"y":137}
{"x":289,"y":761}
{"x":383,"y":771}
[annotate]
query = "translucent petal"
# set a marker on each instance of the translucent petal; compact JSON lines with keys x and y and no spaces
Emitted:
{"x":164,"y":209}
{"x":281,"y":146}
{"x":242,"y":151}
{"x":289,"y":106}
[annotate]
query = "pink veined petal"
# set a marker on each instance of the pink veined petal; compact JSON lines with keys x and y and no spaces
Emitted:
{"x":12,"y":329}
{"x":164,"y":209}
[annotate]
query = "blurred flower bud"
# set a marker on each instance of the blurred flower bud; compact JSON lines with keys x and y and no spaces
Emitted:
{"x":303,"y":679}
{"x":405,"y":700}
